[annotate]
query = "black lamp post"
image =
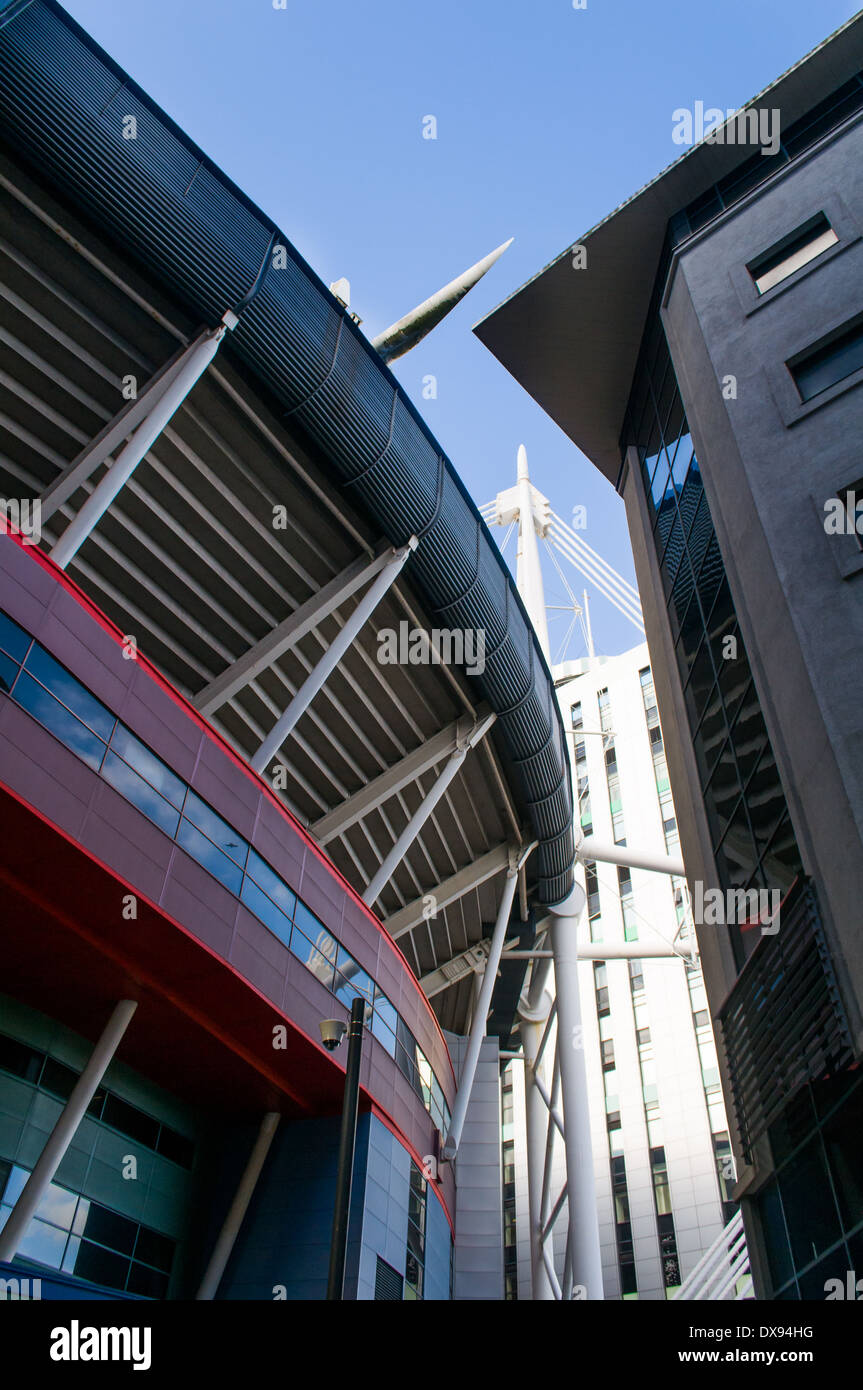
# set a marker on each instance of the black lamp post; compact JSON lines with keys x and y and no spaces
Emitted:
{"x":347,"y":1142}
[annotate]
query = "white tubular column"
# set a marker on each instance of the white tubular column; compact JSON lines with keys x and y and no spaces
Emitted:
{"x":319,"y":675}
{"x":483,"y":1004}
{"x":422,"y":813}
{"x":63,"y":1132}
{"x":238,"y":1208}
{"x":142,"y":440}
{"x":583,"y":1218}
{"x":532,"y":1020}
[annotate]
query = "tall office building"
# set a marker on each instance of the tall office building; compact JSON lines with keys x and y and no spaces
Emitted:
{"x":662,"y":1155}
{"x":704,"y":349}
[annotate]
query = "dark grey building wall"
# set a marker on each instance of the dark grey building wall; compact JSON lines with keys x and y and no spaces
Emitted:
{"x":768,"y":463}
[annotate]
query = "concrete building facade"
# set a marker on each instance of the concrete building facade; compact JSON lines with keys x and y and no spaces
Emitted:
{"x":662,"y":1160}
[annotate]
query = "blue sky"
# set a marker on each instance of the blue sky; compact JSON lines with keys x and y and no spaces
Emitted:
{"x":547,"y":118}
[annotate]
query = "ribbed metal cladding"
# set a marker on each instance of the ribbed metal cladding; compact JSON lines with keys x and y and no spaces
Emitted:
{"x":783,"y":1024}
{"x":62,"y":107}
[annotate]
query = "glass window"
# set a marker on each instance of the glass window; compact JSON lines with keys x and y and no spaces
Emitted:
{"x":110,"y":1229}
{"x":215,"y":829}
{"x":810,"y":1211}
{"x":101,"y":1266}
{"x":151,"y":768}
{"x":133,"y":787}
{"x":154,"y":1249}
{"x":266,"y":878}
{"x":265,"y":909}
{"x":792,"y":253}
{"x":830,"y":363}
{"x":8,"y":672}
{"x":176,"y":1147}
{"x":312,"y":957}
{"x":70,"y":692}
{"x":56,"y":718}
{"x":20,"y":1060}
{"x":211,"y":858}
{"x":13,"y":639}
{"x":131,"y":1121}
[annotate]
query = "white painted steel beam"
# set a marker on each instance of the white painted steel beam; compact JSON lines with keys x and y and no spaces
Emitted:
{"x":148,"y":431}
{"x":392,"y":781}
{"x":264,"y":653}
{"x":604,"y":853}
{"x":585,"y":1251}
{"x":424,"y":810}
{"x":483,"y":1004}
{"x":395,"y":560}
{"x":448,"y":891}
{"x":117,"y":430}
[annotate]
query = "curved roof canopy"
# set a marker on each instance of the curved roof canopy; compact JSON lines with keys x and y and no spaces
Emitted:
{"x":113,"y":252}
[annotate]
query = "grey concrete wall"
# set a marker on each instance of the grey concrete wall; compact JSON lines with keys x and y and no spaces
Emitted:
{"x":768,"y":463}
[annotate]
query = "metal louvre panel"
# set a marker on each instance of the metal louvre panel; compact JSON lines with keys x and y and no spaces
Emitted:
{"x":189,"y":228}
{"x":783,"y":1023}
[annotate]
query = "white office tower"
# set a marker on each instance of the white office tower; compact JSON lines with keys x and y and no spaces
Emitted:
{"x":661,"y":1153}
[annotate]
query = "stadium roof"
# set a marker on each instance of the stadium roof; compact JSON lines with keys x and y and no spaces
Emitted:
{"x":114,"y":252}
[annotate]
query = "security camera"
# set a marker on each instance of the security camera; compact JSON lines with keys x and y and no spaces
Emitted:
{"x":332,"y":1032}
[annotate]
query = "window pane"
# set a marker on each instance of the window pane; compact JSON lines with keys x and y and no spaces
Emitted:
{"x":176,"y":1147}
{"x":43,"y":1243}
{"x":20,"y":1060}
{"x":109,"y":1228}
{"x":131,"y":1121}
{"x":384,"y":1035}
{"x":58,"y":1079}
{"x":830,"y":364}
{"x":58,"y":1207}
{"x":217,"y":830}
{"x":8,"y":672}
{"x":141,"y":794}
{"x":59,"y":721}
{"x":70,"y":691}
{"x":101,"y":1266}
{"x":155,"y":1249}
{"x":151,"y":768}
{"x":312,"y":958}
{"x":13,"y":639}
{"x":262,"y":906}
{"x":200,"y":848}
{"x":147,"y":1282}
{"x":272,"y":885}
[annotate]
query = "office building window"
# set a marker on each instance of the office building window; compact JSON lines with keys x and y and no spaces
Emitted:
{"x":830,"y":362}
{"x":792,"y":253}
{"x":415,"y":1255}
{"x":607,"y":1049}
{"x":664,"y":1220}
{"x":600,"y":984}
{"x":85,"y":1239}
{"x":623,"y":1227}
